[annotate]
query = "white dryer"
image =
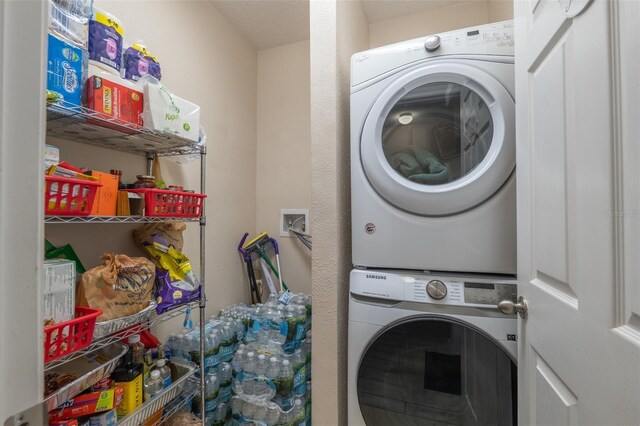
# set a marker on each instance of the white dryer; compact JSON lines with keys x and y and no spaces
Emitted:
{"x":431,"y":350}
{"x":433,"y":153}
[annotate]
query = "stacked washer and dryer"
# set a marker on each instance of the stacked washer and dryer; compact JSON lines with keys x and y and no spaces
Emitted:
{"x":434,"y":231}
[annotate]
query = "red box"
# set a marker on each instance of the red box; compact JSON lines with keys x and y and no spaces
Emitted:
{"x":114,"y":100}
{"x":90,"y":403}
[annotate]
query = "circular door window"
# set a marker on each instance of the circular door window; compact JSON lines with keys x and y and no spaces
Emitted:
{"x":437,"y":371}
{"x":440,"y":140}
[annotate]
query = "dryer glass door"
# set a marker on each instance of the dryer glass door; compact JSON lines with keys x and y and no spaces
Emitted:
{"x":437,"y":371}
{"x":440,"y":139}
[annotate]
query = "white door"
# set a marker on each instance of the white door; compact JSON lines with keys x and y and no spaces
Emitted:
{"x":22,"y":135}
{"x":578,"y":180}
{"x":440,"y":139}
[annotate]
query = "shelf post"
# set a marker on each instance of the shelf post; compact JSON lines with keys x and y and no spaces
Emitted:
{"x":149,"y":163}
{"x":203,"y":294}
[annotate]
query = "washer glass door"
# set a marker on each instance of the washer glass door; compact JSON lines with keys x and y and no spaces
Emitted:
{"x":436,"y":371}
{"x":440,"y":139}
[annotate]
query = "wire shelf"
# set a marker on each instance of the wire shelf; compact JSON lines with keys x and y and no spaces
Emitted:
{"x":116,"y":219}
{"x":123,"y":334}
{"x":82,"y":125}
{"x":191,"y":390}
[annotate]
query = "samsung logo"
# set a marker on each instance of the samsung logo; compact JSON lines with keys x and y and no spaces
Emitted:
{"x":376,"y":277}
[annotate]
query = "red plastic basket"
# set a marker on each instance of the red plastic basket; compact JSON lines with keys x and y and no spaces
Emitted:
{"x":70,"y":336}
{"x":165,"y":203}
{"x":69,"y":197}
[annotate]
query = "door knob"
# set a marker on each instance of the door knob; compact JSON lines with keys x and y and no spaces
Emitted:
{"x":507,"y":307}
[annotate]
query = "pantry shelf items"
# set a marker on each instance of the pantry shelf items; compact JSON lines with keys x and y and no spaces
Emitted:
{"x":147,"y":410}
{"x":83,"y":125}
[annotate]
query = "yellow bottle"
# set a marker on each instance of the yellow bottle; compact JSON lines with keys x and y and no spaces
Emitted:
{"x":129,"y":376}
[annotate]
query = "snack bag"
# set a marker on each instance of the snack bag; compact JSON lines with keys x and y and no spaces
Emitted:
{"x":120,"y":287}
{"x":171,"y":232}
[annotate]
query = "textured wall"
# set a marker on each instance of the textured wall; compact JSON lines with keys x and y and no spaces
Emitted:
{"x":284,"y":152}
{"x":212,"y":64}
{"x":338,"y":29}
{"x":431,"y":21}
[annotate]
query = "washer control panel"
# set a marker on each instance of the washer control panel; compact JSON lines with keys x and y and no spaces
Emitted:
{"x":460,"y":290}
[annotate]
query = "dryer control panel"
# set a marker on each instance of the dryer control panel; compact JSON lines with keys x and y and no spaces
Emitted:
{"x":459,"y":290}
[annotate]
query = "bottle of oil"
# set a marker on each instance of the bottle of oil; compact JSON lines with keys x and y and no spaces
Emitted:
{"x":129,"y":376}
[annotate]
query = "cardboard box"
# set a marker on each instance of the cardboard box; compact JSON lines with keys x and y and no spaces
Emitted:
{"x":87,"y":404}
{"x":114,"y":100}
{"x":106,"y":196}
{"x":59,"y":290}
{"x":105,"y":419}
{"x":66,"y":65}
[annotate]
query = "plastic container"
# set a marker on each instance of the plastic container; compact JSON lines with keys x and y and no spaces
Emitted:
{"x":164,"y":203}
{"x":165,"y":372}
{"x":70,"y":336}
{"x":153,"y":386}
{"x":69,"y":197}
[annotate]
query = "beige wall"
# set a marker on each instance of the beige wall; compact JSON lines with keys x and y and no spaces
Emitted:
{"x":438,"y":20}
{"x":284,"y":152}
{"x":338,"y":29}
{"x":213,"y":65}
{"x":500,"y":10}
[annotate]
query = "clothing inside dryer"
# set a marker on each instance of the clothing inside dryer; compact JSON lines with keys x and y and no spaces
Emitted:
{"x":437,"y":133}
{"x":436,"y":372}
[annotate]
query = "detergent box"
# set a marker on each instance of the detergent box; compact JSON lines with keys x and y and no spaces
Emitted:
{"x":66,"y":66}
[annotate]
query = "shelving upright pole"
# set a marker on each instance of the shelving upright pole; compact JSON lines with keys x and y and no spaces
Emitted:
{"x":203,"y":294}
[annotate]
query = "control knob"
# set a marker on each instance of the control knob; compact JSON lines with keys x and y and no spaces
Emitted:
{"x":436,"y":289}
{"x":432,"y":43}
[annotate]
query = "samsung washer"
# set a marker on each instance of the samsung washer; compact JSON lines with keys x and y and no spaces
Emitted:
{"x":431,"y":350}
{"x":433,"y":153}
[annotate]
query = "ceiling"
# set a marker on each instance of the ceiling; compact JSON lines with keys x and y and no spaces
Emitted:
{"x":272,"y":23}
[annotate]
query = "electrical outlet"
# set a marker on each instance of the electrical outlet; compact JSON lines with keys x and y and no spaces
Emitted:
{"x":296,"y":218}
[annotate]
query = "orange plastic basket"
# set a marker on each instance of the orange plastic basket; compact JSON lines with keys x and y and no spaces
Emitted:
{"x":165,"y":203}
{"x":69,"y":197}
{"x":70,"y":336}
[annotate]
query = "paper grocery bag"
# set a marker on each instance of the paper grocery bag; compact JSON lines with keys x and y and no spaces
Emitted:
{"x":120,"y":287}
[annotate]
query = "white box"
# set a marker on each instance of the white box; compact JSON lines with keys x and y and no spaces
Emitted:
{"x":59,"y":290}
{"x":166,"y":112}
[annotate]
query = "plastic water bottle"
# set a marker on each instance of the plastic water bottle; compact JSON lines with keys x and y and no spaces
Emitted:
{"x":226,"y":344}
{"x":165,"y":372}
{"x":250,"y":363}
{"x":212,"y":386}
{"x":262,"y":365}
{"x":273,"y":370}
{"x":237,"y":362}
{"x":284,"y":386}
{"x":260,"y":413}
{"x":248,"y":386}
{"x":189,"y":347}
{"x":273,"y":414}
{"x":213,"y":350}
{"x":225,"y":377}
{"x":153,"y":386}
{"x":297,"y":413}
{"x":220,"y":414}
{"x":300,"y":374}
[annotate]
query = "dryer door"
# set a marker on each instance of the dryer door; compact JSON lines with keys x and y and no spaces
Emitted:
{"x":440,"y":139}
{"x":436,"y":370}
